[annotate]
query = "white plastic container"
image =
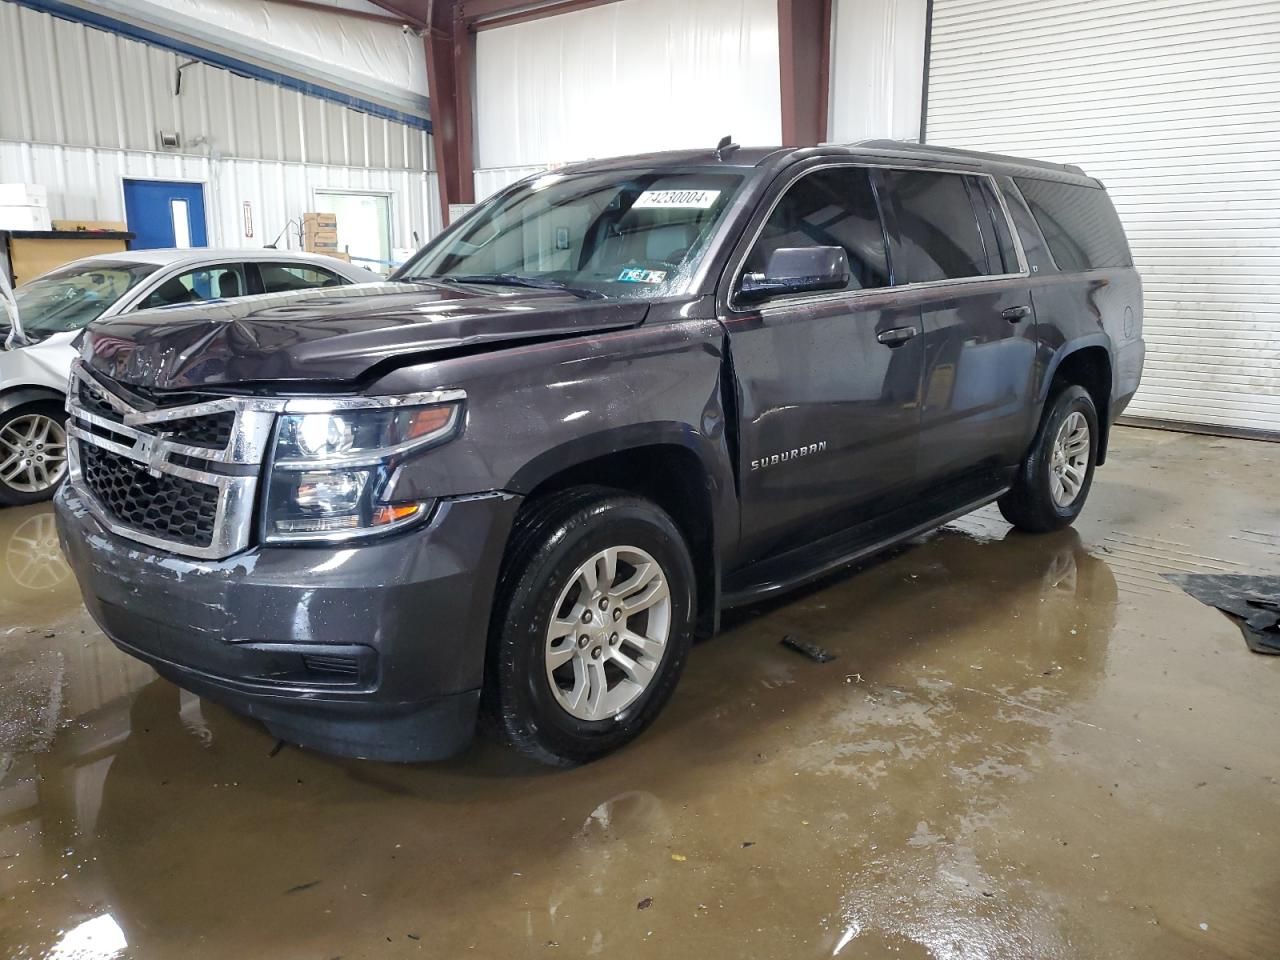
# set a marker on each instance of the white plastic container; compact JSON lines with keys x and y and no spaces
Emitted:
{"x":23,"y":195}
{"x":27,"y":217}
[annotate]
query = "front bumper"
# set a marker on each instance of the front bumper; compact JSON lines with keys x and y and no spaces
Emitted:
{"x":372,"y":651}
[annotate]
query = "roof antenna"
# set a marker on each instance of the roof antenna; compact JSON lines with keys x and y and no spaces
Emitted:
{"x":725,"y":147}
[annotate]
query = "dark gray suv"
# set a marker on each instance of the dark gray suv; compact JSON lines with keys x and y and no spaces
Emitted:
{"x":609,"y":403}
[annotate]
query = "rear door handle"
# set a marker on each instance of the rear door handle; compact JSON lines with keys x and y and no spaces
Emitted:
{"x":1014,"y":314}
{"x":897,"y":336}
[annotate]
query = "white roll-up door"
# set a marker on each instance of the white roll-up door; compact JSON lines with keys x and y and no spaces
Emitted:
{"x":1175,"y":106}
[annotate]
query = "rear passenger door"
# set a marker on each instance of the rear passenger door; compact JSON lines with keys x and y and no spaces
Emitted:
{"x":950,"y":238}
{"x":828,"y":382}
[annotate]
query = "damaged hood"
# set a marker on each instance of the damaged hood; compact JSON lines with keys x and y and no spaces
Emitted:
{"x":332,"y":334}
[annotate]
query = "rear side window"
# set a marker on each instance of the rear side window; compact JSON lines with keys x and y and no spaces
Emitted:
{"x":1079,"y":224}
{"x":829,"y":208}
{"x":939,"y":235}
{"x":223,"y":282}
{"x":279,"y":277}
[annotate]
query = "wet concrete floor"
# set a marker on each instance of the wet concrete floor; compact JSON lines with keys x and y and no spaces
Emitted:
{"x":1027,"y":747}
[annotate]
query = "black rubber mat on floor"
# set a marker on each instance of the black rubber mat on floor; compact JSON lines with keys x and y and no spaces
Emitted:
{"x":1253,"y":603}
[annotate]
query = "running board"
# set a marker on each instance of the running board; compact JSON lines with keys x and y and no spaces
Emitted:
{"x":795,"y":568}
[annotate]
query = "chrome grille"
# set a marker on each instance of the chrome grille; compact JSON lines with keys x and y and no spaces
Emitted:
{"x":182,"y":478}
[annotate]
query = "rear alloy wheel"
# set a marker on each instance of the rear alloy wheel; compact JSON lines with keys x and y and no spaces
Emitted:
{"x":1050,"y":489}
{"x":593,"y":622}
{"x":33,"y":453}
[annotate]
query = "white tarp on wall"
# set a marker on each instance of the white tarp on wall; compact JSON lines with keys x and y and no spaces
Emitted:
{"x":628,"y":77}
{"x":877,"y":69}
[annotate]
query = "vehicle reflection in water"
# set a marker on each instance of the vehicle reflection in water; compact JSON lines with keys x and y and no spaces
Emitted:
{"x":32,"y":558}
{"x":767,"y":800}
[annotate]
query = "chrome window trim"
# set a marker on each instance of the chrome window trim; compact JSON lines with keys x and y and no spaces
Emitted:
{"x":853,"y":295}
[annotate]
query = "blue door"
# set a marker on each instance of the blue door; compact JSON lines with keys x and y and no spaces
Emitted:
{"x":165,"y":213}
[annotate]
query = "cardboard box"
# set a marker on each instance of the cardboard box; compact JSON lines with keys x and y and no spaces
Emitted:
{"x":25,"y":218}
{"x":89,"y":226}
{"x":326,"y":220}
{"x":23,"y":195}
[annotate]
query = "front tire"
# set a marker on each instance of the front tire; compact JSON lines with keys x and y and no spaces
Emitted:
{"x":1055,"y":479}
{"x":594,"y":620}
{"x":33,"y":452}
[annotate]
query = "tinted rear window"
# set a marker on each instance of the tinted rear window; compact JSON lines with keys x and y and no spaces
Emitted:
{"x":1079,"y":223}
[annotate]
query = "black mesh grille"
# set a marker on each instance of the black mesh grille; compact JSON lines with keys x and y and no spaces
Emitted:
{"x":94,"y":402}
{"x":168,"y":507}
{"x":212,"y":430}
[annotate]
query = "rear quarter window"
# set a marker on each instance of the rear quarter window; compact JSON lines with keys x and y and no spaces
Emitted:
{"x":1079,"y":224}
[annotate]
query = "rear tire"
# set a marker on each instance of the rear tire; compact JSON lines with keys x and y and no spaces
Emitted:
{"x":33,"y":452}
{"x":593,"y":622}
{"x":1054,"y":480}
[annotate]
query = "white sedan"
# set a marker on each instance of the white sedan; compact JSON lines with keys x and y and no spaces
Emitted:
{"x":55,"y":307}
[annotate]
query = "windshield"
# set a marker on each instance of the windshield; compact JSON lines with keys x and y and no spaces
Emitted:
{"x":621,"y":234}
{"x":69,"y":298}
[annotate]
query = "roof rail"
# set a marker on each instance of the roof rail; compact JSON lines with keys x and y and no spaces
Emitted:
{"x":928,"y":149}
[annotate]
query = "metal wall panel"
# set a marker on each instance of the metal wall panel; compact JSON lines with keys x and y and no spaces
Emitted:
{"x":1175,"y":105}
{"x":86,"y":183}
{"x":489,"y":181}
{"x":75,"y":85}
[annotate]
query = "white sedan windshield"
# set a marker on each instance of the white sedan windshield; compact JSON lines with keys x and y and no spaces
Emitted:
{"x":69,"y":298}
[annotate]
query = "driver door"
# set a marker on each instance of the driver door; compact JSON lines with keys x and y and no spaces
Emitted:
{"x":829,"y":383}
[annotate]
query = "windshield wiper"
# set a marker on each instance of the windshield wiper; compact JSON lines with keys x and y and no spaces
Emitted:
{"x":515,"y":280}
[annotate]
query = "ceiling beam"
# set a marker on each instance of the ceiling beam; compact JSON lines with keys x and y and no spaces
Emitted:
{"x":804,"y":63}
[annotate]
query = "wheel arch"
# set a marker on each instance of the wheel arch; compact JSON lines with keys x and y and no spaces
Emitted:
{"x":668,"y":464}
{"x":1087,"y":362}
{"x":16,"y":397}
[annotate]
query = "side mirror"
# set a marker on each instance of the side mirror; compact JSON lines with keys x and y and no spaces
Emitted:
{"x":797,"y":270}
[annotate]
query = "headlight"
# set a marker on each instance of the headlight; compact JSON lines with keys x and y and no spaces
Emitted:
{"x":333,"y":461}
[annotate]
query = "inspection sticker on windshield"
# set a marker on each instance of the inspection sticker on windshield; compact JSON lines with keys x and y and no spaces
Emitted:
{"x":676,"y":199}
{"x":640,"y":275}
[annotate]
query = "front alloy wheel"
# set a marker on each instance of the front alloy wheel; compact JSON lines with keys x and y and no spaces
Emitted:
{"x":610,"y":630}
{"x":592,"y":623}
{"x":33,"y":453}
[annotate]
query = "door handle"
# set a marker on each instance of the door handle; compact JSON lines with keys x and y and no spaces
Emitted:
{"x":1014,"y":314}
{"x":897,"y":336}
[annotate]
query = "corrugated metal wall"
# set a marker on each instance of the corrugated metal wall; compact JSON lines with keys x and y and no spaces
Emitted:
{"x":85,"y":183}
{"x":66,"y":83}
{"x":1175,"y":105}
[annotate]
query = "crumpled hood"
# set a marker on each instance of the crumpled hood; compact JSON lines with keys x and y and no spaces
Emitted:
{"x":331,"y":335}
